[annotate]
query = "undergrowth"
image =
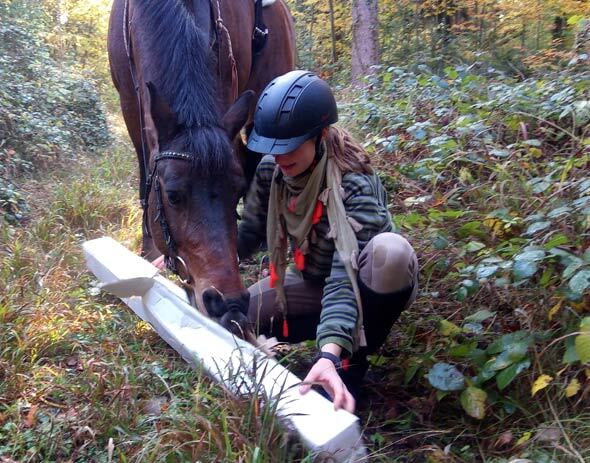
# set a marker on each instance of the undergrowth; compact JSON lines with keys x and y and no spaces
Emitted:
{"x":81,"y":377}
{"x":488,"y":178}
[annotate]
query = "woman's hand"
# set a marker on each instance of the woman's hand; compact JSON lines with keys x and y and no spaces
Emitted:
{"x":159,"y":263}
{"x":324,"y":373}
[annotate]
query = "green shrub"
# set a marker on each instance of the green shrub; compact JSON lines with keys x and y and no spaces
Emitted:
{"x":48,"y":113}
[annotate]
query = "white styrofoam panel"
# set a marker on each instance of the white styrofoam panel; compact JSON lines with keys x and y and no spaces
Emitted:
{"x":229,"y":360}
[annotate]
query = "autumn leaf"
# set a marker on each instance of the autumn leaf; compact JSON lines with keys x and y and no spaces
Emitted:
{"x":524,"y":438}
{"x":572,"y":388}
{"x":540,"y":383}
{"x":583,"y":341}
{"x":554,"y":310}
{"x":473,"y":401}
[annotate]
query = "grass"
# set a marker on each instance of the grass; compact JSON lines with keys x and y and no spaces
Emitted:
{"x":83,"y":379}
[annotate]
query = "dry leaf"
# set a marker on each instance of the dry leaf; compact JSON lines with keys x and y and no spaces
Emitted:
{"x":504,"y":440}
{"x":554,"y":310}
{"x":540,"y":383}
{"x":524,"y":438}
{"x":548,"y":434}
{"x":110,"y":449}
{"x":31,"y":416}
{"x":572,"y":388}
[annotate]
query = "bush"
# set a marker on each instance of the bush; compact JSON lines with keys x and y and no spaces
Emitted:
{"x":47,"y":113}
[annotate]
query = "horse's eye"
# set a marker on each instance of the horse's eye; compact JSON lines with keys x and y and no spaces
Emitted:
{"x":174,"y":197}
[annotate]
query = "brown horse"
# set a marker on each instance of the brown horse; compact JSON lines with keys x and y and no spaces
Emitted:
{"x":178,"y":66}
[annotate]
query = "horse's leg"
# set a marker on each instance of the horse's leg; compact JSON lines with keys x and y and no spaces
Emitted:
{"x":249,"y":159}
{"x":123,"y":81}
{"x":130,"y":108}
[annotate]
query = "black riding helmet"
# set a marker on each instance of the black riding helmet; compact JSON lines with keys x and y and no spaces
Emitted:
{"x":292,"y":109}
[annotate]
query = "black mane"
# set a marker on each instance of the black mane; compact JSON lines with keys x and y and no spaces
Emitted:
{"x":179,"y":63}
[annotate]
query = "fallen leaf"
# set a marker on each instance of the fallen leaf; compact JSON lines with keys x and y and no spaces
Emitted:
{"x":526,"y":436}
{"x":31,"y":416}
{"x":540,"y":383}
{"x":572,"y":388}
{"x":548,"y":434}
{"x":554,"y":310}
{"x":504,"y":440}
{"x":473,"y":401}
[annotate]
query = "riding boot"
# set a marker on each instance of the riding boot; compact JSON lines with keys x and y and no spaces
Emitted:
{"x":380,"y":312}
{"x":353,"y":373}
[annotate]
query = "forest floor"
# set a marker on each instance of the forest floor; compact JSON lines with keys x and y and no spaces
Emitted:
{"x":83,"y":379}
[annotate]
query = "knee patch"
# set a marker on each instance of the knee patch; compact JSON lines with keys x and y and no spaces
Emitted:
{"x":388,"y":264}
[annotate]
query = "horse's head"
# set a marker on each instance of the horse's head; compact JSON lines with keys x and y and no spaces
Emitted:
{"x":196,"y":183}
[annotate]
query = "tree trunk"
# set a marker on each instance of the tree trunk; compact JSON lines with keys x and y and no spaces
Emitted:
{"x":558,"y":31}
{"x":332,"y":31}
{"x":365,"y":38}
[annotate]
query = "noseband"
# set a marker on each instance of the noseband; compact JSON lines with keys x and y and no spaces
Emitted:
{"x":171,"y":258}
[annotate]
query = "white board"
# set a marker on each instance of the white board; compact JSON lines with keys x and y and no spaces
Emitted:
{"x":229,"y":360}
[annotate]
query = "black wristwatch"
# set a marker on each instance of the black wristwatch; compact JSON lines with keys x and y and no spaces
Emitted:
{"x":327,"y":355}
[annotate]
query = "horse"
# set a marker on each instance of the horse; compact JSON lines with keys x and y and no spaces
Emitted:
{"x":179,"y":66}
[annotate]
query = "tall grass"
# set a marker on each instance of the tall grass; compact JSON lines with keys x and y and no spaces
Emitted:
{"x":81,"y":377}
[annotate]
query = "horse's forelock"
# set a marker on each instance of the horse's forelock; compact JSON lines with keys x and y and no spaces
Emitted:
{"x":210,"y":147}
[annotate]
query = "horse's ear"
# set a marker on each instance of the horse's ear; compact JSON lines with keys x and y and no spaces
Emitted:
{"x":237,"y":115}
{"x":161,"y":113}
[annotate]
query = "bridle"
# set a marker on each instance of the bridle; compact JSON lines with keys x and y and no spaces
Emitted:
{"x":259,"y":38}
{"x":171,"y":258}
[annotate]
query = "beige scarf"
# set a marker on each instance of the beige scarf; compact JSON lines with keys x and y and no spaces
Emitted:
{"x":284,"y":219}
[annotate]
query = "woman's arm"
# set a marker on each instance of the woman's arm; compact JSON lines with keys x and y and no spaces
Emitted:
{"x":365,"y":204}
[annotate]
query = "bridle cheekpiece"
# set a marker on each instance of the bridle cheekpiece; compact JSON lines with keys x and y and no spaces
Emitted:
{"x":172,"y":257}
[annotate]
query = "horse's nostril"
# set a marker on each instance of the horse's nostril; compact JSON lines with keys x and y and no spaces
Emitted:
{"x":214,"y":302}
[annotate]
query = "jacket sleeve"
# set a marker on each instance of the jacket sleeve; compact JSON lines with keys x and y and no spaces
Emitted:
{"x":365,"y":204}
{"x":252,"y":227}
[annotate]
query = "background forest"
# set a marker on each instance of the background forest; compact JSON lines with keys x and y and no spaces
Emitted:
{"x":476,"y":114}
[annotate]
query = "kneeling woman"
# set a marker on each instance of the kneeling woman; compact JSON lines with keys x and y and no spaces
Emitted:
{"x":316,"y":192}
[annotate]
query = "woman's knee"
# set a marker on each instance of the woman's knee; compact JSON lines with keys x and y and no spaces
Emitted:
{"x":388,"y":264}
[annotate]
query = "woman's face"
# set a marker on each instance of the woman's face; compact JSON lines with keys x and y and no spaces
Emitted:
{"x":297,"y":161}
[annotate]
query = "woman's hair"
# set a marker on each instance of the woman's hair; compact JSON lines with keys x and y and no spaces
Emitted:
{"x":348,"y":154}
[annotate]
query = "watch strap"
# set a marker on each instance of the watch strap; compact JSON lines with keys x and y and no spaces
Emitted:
{"x":327,"y":355}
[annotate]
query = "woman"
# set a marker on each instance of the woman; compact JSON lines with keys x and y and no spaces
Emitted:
{"x":316,"y":191}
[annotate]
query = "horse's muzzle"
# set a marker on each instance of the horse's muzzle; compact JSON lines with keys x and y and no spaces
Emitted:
{"x":230,"y":312}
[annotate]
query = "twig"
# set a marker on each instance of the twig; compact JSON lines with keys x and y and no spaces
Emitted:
{"x":391,"y":444}
{"x":561,"y":338}
{"x":170,"y":393}
{"x":522,"y":113}
{"x":566,"y":437}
